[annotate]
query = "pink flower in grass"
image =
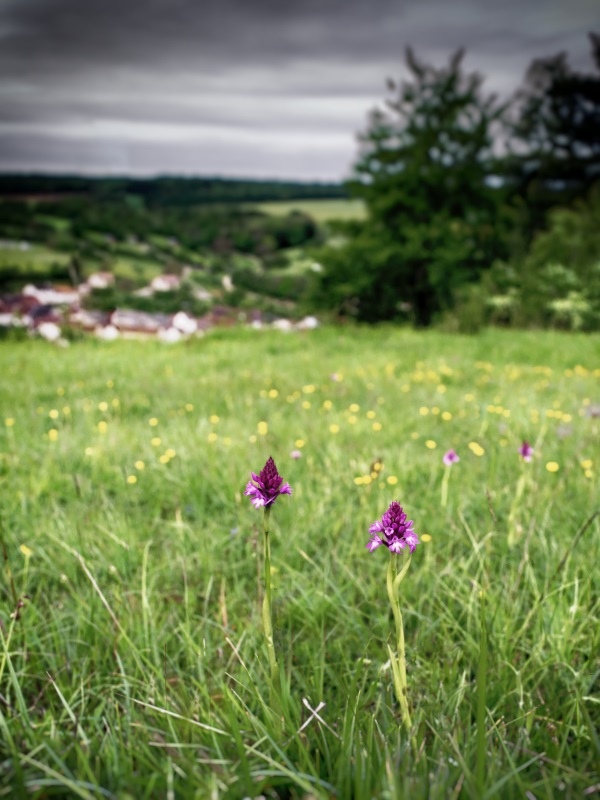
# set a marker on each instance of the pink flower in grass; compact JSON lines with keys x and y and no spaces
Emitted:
{"x":526,"y":451}
{"x":450,"y":458}
{"x":393,"y":531}
{"x":267,"y":486}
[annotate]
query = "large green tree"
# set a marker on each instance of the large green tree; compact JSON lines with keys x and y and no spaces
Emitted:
{"x":555,"y":139}
{"x":426,"y":174}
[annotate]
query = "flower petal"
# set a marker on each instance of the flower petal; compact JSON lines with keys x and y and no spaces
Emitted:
{"x":374,"y":543}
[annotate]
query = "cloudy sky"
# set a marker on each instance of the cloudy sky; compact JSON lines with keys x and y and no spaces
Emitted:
{"x":255,"y":88}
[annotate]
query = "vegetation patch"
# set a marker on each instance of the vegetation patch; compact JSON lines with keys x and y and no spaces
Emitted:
{"x":134,"y":662}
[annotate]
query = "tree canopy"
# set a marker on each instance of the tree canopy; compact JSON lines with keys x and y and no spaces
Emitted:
{"x":425,"y":172}
{"x":555,"y":136}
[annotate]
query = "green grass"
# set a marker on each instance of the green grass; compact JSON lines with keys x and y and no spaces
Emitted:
{"x":139,"y":269}
{"x":36,"y":259}
{"x":320,"y":210}
{"x":59,"y":224}
{"x":136,"y":666}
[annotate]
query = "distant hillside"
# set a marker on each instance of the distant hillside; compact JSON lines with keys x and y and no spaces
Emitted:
{"x":164,"y":191}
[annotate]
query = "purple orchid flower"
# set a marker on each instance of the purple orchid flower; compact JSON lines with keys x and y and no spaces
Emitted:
{"x":267,"y":486}
{"x":526,"y":451}
{"x":450,"y":458}
{"x":393,"y":531}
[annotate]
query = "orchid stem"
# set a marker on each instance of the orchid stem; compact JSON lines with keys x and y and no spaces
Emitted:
{"x":445,"y":481}
{"x":399,"y":661}
{"x":266,"y":608}
{"x":513,"y":527}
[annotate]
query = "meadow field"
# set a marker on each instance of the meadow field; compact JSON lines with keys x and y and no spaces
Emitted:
{"x":321,"y":210}
{"x":133,"y":661}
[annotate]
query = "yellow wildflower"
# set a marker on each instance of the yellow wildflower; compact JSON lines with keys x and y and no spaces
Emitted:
{"x":476,"y":449}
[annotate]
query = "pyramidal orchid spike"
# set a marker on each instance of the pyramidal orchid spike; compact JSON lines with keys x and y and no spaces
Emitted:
{"x":393,"y":530}
{"x":266,"y":487}
{"x":526,"y":451}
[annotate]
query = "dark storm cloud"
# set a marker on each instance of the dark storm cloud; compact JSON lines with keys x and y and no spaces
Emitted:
{"x":60,"y":35}
{"x":55,"y":32}
{"x":238,"y":86}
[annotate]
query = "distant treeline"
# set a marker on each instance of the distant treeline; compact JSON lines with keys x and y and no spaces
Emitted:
{"x":165,"y":191}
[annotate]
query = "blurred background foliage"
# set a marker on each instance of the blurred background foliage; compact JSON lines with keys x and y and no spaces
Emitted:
{"x":462,"y":211}
{"x":478,"y":211}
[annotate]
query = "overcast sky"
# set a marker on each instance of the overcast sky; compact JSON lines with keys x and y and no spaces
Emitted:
{"x":250,"y":88}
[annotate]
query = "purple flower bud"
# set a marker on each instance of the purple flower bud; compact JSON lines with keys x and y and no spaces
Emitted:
{"x":266,"y":487}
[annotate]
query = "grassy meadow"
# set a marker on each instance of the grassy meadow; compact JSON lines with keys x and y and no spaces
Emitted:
{"x":34,"y":261}
{"x":133,"y":663}
{"x":321,"y":210}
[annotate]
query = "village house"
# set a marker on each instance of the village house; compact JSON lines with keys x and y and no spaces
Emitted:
{"x":165,"y":283}
{"x":101,"y":280}
{"x":54,"y":296}
{"x":45,"y":310}
{"x":138,"y":322}
{"x":184,"y":323}
{"x":89,"y":320}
